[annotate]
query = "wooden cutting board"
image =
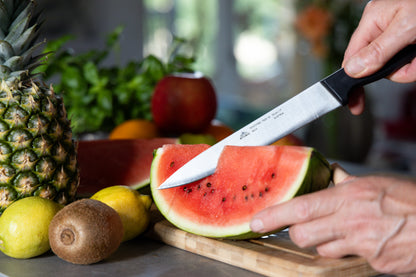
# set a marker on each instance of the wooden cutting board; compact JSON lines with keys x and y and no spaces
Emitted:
{"x":274,"y":255}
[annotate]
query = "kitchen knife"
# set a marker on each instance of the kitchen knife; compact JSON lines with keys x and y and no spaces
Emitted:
{"x":322,"y":97}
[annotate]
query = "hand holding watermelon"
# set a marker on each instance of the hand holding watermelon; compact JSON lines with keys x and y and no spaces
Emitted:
{"x":372,"y":216}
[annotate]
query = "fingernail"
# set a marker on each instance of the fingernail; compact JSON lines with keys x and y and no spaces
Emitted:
{"x":256,"y":225}
{"x":355,"y":66}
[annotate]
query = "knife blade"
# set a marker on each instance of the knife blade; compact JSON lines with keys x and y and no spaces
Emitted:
{"x":322,"y":97}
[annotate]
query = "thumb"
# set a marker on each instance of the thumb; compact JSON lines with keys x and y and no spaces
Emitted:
{"x":373,"y":56}
{"x":369,"y":59}
{"x":339,"y":174}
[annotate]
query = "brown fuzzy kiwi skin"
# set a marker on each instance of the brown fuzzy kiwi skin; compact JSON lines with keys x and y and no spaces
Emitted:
{"x":85,"y":232}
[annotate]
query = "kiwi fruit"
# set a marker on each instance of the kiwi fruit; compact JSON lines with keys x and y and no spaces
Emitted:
{"x":85,"y":232}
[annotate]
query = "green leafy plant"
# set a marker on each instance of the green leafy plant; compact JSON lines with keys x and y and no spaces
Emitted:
{"x":99,"y":97}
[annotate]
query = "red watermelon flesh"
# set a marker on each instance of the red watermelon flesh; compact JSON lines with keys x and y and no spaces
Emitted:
{"x":126,"y":162}
{"x":247,"y":180}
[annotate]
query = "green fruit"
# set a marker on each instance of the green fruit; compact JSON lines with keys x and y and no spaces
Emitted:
{"x":24,"y":227}
{"x":189,"y":138}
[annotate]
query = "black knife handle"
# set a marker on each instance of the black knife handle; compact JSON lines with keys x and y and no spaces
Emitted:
{"x":341,"y":85}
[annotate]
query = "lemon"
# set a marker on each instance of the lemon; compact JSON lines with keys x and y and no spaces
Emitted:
{"x":132,"y":207}
{"x":24,"y":227}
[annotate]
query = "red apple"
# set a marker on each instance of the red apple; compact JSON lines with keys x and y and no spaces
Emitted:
{"x":184,"y":102}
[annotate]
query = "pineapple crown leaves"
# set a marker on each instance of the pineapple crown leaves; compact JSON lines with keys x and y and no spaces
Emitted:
{"x":19,"y":30}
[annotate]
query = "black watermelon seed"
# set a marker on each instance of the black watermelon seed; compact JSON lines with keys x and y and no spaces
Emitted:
{"x":223,"y":199}
{"x":205,"y":194}
{"x":260,"y":194}
{"x":172,"y":164}
{"x":244,"y":187}
{"x":266,"y":189}
{"x":189,"y":190}
{"x":208,"y":185}
{"x":246,"y":197}
{"x":273,"y":175}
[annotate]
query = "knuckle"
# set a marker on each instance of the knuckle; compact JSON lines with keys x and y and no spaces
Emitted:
{"x":408,"y":30}
{"x":372,"y":8}
{"x":302,"y":210}
{"x":376,"y":51}
{"x":384,"y":266}
{"x":362,"y":189}
{"x":370,"y":5}
{"x":325,"y":250}
{"x":298,"y":236}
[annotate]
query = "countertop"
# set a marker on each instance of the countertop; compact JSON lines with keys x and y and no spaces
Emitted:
{"x":142,"y":256}
{"x":139,"y":257}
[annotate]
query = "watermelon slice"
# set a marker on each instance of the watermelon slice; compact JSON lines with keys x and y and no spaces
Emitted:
{"x":125,"y":162}
{"x":247,"y":180}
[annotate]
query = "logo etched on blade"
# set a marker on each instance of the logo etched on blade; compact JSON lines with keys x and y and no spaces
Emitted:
{"x":244,"y":134}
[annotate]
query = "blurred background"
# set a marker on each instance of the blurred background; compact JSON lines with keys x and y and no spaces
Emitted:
{"x":258,"y":54}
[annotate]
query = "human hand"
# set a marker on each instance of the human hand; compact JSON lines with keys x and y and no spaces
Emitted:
{"x":386,"y":27}
{"x":373,"y":217}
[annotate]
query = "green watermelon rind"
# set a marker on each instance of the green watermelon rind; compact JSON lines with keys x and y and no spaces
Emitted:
{"x":314,"y":175}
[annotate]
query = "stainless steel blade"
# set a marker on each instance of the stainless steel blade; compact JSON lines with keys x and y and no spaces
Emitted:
{"x":317,"y":100}
{"x":296,"y":112}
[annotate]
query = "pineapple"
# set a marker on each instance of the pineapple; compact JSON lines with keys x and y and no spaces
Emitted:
{"x":37,"y":152}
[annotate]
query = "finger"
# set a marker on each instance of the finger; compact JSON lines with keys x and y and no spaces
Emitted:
{"x":369,"y":241}
{"x":366,"y":32}
{"x":406,"y":74}
{"x":399,"y":196}
{"x":299,"y":209}
{"x":372,"y":57}
{"x":318,"y":231}
{"x":335,"y":249}
{"x":356,"y":102}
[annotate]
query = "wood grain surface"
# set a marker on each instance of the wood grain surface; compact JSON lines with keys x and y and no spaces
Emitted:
{"x":275,"y":255}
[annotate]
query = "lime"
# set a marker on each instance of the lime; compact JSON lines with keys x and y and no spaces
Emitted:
{"x":188,"y":138}
{"x":132,"y":207}
{"x":24,"y":227}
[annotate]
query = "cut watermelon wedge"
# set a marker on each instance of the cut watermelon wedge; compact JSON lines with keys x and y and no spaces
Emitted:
{"x":247,"y":180}
{"x":105,"y":163}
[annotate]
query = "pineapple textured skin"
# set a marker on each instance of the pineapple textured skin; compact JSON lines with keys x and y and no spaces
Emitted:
{"x":37,"y":152}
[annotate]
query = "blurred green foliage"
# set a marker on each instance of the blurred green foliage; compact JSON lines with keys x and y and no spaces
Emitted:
{"x":99,"y":97}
